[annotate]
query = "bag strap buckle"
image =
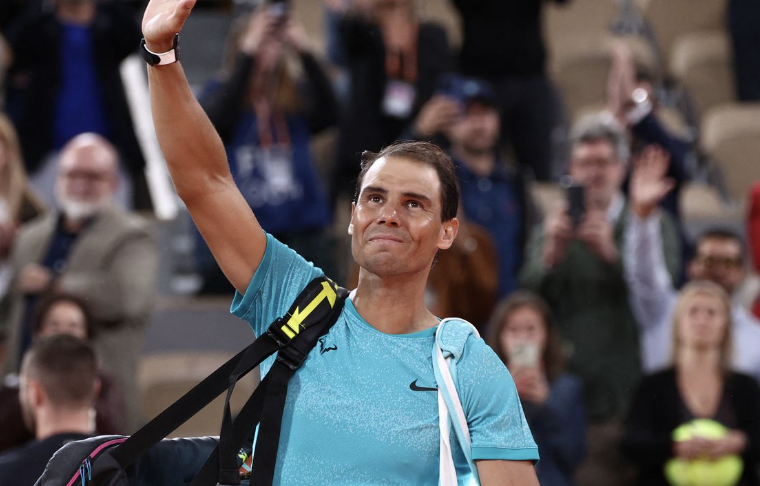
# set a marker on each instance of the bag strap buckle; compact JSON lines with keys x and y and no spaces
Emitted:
{"x":277,"y":332}
{"x":291,"y":357}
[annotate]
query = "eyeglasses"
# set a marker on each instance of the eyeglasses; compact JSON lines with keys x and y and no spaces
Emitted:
{"x":715,"y":261}
{"x":89,"y":176}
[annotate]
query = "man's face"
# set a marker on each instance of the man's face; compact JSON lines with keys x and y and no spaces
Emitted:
{"x":478,"y":129}
{"x":86,"y":180}
{"x":595,"y":166}
{"x":719,"y":260}
{"x":396,"y":223}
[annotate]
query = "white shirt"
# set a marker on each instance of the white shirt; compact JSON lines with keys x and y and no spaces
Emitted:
{"x":653,"y":300}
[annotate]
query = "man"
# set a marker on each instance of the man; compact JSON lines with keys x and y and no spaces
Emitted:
{"x":368,"y":393}
{"x":493,"y":195}
{"x":719,"y":257}
{"x":93,"y":250}
{"x":58,"y":388}
{"x":576,"y":266}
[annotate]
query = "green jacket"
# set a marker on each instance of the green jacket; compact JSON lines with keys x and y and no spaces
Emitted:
{"x":590,"y":300}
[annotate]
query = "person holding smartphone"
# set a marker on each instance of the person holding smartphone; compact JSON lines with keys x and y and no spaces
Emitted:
{"x":522,"y":334}
{"x":577,"y":266}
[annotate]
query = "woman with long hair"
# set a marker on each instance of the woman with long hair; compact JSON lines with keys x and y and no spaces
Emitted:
{"x":699,"y":385}
{"x":271,"y":99}
{"x":17,"y":205}
{"x":523,"y":335}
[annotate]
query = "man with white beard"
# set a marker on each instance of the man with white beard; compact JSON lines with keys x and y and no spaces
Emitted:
{"x":92,"y":249}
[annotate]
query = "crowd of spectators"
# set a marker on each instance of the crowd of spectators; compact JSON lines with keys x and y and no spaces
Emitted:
{"x":581,"y":297}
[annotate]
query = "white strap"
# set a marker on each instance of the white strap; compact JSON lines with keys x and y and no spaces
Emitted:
{"x":447,"y":470}
{"x":449,"y":403}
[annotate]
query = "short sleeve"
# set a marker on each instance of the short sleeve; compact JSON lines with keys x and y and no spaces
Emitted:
{"x":498,"y":427}
{"x":280,"y":277}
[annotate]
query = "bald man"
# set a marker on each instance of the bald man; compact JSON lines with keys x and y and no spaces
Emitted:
{"x":93,"y":249}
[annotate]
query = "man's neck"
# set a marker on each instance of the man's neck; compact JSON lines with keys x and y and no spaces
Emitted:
{"x":74,"y":226}
{"x":393,"y":305}
{"x":481,"y":163}
{"x":50,"y":422}
{"x":77,"y":14}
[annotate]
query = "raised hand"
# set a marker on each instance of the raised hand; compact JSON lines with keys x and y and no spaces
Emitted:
{"x":162,"y":20}
{"x":649,"y":184}
{"x":437,"y":116}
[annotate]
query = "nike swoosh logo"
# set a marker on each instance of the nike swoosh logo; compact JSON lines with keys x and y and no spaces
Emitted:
{"x":413,"y":385}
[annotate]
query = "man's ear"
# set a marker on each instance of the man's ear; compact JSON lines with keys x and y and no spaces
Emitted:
{"x":35,"y":393}
{"x":448,"y":233}
{"x":351,"y":222}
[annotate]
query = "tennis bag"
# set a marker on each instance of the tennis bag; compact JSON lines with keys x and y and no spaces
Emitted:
{"x":148,"y":459}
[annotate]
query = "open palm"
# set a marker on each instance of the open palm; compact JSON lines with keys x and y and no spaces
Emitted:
{"x":163,"y":19}
{"x":649,"y":184}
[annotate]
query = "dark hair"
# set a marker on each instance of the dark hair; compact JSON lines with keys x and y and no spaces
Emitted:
{"x":425,"y":153}
{"x":553,"y":358}
{"x":721,"y":234}
{"x":47,"y":303}
{"x":66,"y":367}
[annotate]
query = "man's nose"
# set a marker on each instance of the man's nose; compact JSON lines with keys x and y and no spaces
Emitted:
{"x":389,"y":214}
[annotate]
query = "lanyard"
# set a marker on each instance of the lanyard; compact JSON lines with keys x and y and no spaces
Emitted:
{"x":271,"y":125}
{"x":402,"y":63}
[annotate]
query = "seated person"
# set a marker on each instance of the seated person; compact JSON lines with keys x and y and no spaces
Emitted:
{"x":719,"y":257}
{"x":60,"y":314}
{"x":59,"y":384}
{"x":522,"y":333}
{"x":700,"y":384}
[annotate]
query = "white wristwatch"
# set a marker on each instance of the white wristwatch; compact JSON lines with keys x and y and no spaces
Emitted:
{"x":160,"y":58}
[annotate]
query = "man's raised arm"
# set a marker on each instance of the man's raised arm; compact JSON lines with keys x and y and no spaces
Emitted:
{"x":195,"y":154}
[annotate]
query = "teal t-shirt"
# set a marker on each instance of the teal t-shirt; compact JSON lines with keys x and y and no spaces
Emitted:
{"x":363,"y":410}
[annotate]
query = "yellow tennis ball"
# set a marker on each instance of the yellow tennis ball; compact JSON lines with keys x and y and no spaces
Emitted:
{"x":724,"y":471}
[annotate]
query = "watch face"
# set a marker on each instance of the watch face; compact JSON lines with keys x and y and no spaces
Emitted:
{"x":639,"y":95}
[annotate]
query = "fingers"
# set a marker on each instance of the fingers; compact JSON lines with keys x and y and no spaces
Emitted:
{"x":180,"y":14}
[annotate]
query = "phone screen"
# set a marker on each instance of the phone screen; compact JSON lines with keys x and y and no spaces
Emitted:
{"x":524,"y":355}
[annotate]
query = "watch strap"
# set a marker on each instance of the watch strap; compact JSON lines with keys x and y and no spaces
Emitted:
{"x":160,"y":58}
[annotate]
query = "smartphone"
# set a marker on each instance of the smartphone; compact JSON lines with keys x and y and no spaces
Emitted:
{"x":524,"y":355}
{"x":576,"y":203}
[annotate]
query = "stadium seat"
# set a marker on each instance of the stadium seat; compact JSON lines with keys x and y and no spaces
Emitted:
{"x":670,"y":19}
{"x":582,"y":72}
{"x":164,"y":377}
{"x":701,"y":62}
{"x":731,"y":137}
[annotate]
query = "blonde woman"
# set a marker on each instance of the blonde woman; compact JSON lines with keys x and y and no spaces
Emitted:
{"x":700,"y":384}
{"x":17,"y":205}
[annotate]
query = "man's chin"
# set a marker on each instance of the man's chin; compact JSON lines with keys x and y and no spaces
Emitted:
{"x":80,"y":211}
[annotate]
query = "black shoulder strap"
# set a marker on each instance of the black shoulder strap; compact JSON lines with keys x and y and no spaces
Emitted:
{"x":320,"y":301}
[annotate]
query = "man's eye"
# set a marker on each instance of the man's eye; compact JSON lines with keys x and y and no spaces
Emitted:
{"x":374,"y":198}
{"x":414,"y":204}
